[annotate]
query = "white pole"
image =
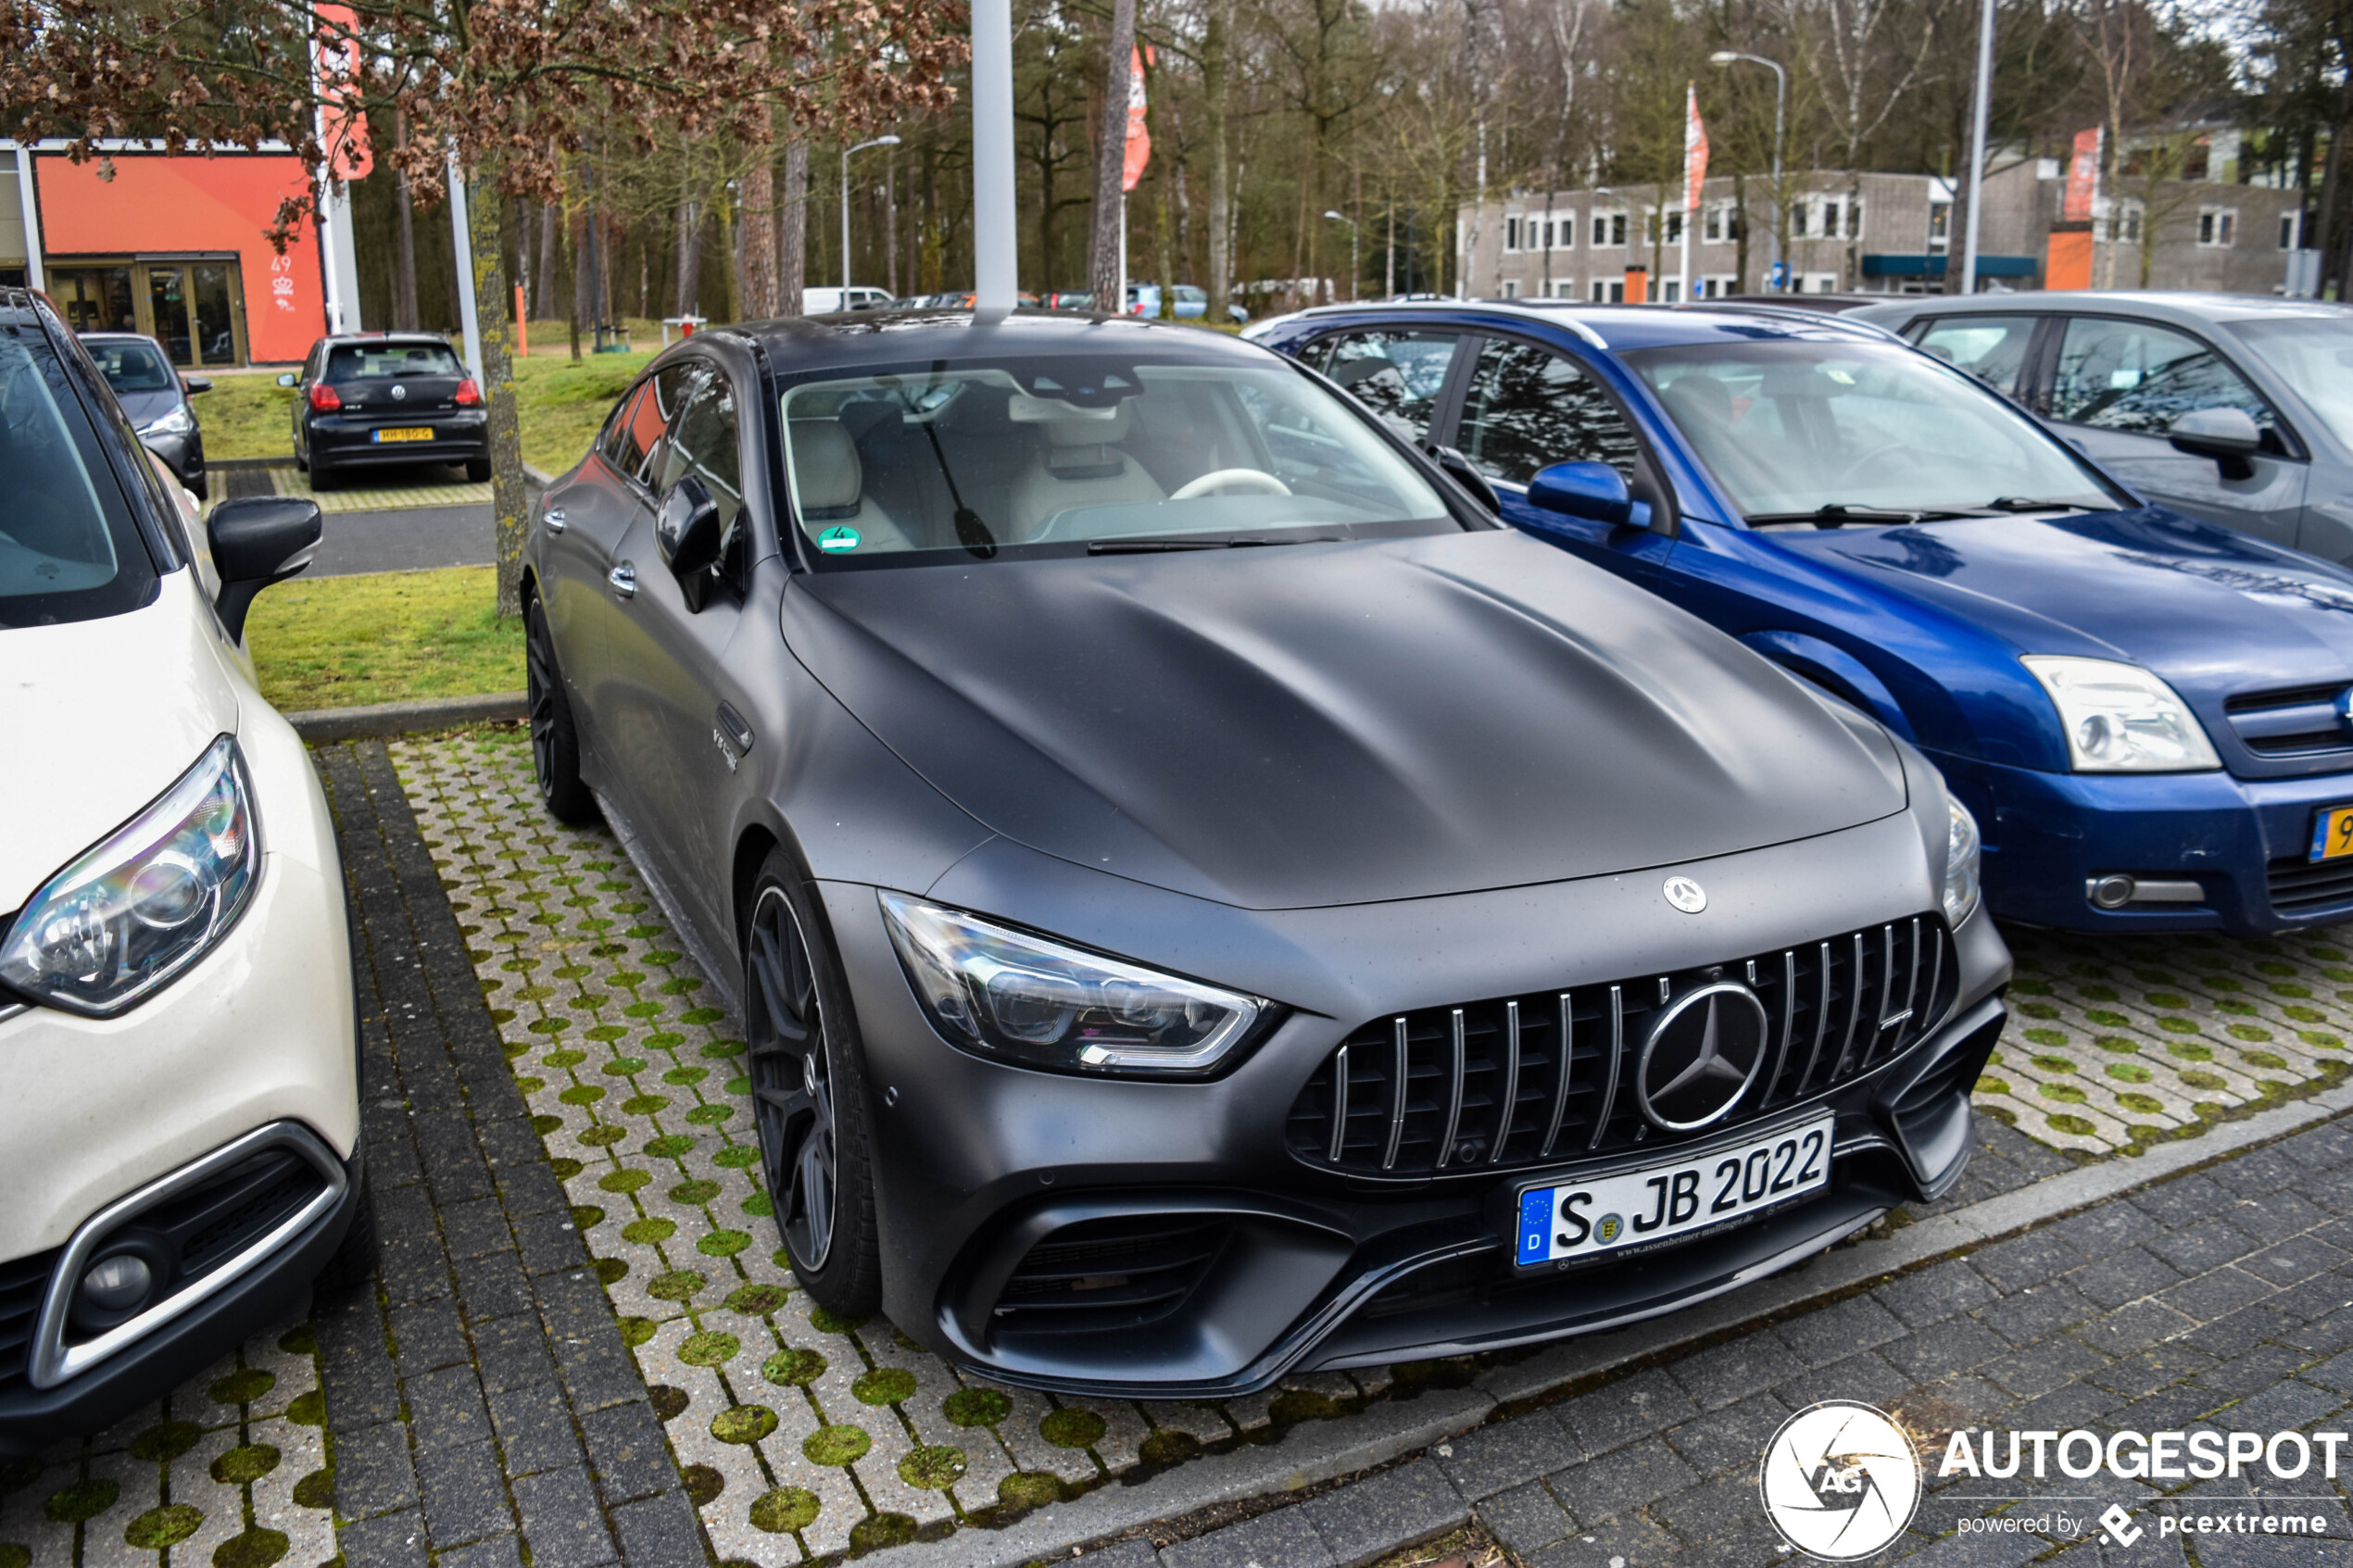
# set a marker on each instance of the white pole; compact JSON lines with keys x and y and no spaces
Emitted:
{"x":996,"y":254}
{"x":1981,"y":112}
{"x":1684,"y":293}
{"x":461,"y":230}
{"x":28,"y":198}
{"x":844,"y":303}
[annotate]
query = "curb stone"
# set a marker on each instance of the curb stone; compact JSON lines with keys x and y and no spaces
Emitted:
{"x":1316,"y":1451}
{"x":318,"y":725}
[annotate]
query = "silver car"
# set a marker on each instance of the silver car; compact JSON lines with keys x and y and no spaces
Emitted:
{"x":2234,"y":408}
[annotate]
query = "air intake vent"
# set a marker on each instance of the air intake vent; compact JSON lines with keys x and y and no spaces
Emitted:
{"x":2300,"y":721}
{"x":1115,"y":1273}
{"x":2301,"y":886}
{"x":21,"y":1284}
{"x":1517,"y":1080}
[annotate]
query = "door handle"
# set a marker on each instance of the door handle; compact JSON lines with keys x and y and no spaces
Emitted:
{"x":624,"y":579}
{"x":554,"y":518}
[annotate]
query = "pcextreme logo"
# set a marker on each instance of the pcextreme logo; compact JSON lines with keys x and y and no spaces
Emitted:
{"x":1840,"y":1480}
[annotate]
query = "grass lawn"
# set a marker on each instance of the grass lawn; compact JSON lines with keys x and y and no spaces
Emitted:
{"x":383,"y":636}
{"x":245,"y":416}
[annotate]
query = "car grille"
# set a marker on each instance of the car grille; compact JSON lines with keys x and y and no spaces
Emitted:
{"x":2299,"y":885}
{"x":1114,"y":1274}
{"x":2297,"y":722}
{"x":1481,"y":1085}
{"x":22,"y":1283}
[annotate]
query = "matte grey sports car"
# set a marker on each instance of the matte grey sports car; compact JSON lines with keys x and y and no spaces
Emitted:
{"x":1205,"y":901}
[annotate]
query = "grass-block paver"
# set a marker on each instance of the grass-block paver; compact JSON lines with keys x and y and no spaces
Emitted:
{"x":799,"y":1435}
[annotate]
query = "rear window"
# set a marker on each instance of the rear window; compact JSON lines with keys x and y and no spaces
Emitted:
{"x":132,"y":366}
{"x":68,"y":549}
{"x":370,"y":361}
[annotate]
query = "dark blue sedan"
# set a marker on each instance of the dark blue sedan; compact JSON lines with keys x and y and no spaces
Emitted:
{"x":2151,"y":717}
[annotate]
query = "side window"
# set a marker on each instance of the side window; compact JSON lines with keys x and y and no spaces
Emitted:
{"x":1992,"y":348}
{"x":1530,"y":407}
{"x":649,"y":420}
{"x":2139,"y":377}
{"x":618,"y":443}
{"x":702,"y":443}
{"x":1397,"y":375}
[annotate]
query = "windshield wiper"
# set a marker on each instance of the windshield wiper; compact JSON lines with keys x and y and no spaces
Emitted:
{"x":2029,"y":504}
{"x":1837,"y":515}
{"x":1157,"y":546}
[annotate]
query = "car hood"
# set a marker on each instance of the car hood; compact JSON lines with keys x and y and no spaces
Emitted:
{"x":144,"y":407}
{"x":2213,"y":611}
{"x":1333,"y":723}
{"x":102,"y":716}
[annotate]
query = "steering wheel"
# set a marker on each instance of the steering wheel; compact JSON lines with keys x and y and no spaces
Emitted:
{"x":1886,"y":448}
{"x":1217,"y":479}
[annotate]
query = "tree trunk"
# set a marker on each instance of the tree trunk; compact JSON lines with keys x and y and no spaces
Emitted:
{"x":1111,"y":161}
{"x":792,"y":230}
{"x":543,"y":298}
{"x":404,"y":268}
{"x":583,"y":245}
{"x":690,"y":255}
{"x":1213,"y":88}
{"x":496,"y":327}
{"x":757,"y":277}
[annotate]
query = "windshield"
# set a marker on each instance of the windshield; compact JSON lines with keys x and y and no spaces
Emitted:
{"x":2314,"y":355}
{"x":67,"y":547}
{"x":132,"y":366}
{"x":1088,"y":455}
{"x":1838,"y":432}
{"x":356,"y":361}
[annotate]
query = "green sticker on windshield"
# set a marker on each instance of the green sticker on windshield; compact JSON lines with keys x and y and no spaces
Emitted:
{"x":837,"y":539}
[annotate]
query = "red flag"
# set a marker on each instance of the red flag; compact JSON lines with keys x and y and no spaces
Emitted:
{"x":1694,"y":149}
{"x":1140,"y":138}
{"x":343,"y":125}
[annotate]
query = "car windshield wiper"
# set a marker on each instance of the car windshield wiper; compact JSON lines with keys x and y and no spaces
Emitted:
{"x":2029,"y":504}
{"x":1837,"y":515}
{"x":1157,"y":546}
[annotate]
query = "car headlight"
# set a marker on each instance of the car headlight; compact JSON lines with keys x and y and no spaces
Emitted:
{"x":142,"y":906}
{"x":1962,"y":847}
{"x":1005,"y":994}
{"x":175,"y":421}
{"x":2120,"y":719}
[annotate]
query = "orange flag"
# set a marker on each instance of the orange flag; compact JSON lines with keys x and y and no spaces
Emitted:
{"x":1140,"y":138}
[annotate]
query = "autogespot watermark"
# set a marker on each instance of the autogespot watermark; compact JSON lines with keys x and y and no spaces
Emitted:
{"x":1841,"y":1481}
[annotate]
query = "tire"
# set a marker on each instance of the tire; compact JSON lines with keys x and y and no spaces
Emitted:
{"x":478,"y":471}
{"x":353,"y":1266}
{"x":810,"y":1106}
{"x":302,"y":461}
{"x":555,"y":742}
{"x":322,"y":479}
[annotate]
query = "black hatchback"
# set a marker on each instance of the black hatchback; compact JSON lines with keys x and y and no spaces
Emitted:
{"x":385,"y":397}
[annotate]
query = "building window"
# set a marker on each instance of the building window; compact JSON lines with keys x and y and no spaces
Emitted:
{"x":2125,"y":222}
{"x":1564,"y":289}
{"x":1609,"y":229}
{"x":1511,"y":234}
{"x":1723,"y":223}
{"x":1511,"y":288}
{"x":1609,"y":291}
{"x":1940,"y":225}
{"x":2291,"y":231}
{"x":2198,"y":160}
{"x":1818,"y":283}
{"x":1664,"y":225}
{"x":2217,"y":227}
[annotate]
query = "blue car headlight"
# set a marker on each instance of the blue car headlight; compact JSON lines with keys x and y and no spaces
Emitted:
{"x":1962,"y":848}
{"x":1006,"y":994}
{"x":150,"y":900}
{"x":2120,"y":719}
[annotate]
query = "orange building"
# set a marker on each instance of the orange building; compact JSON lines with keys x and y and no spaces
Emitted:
{"x":172,"y":246}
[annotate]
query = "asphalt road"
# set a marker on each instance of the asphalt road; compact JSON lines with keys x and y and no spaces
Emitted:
{"x":393,"y":538}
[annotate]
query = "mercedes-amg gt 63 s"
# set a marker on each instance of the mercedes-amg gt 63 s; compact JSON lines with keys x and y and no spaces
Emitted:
{"x":1205,"y":901}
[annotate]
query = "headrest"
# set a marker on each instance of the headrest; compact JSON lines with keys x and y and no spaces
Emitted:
{"x":825,"y":469}
{"x":1067,"y":424}
{"x":1690,"y":398}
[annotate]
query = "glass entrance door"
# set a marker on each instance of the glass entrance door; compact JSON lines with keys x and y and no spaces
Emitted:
{"x":192,"y":307}
{"x":167,"y":309}
{"x":95,"y":299}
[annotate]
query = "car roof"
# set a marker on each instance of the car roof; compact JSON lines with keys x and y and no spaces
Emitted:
{"x":1617,"y":327}
{"x":338,"y":339}
{"x":117,"y":337}
{"x":2181,"y":305}
{"x":855,"y":339}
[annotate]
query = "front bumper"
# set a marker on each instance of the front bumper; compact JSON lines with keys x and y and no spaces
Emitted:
{"x":1277,"y":1265}
{"x":2239,"y":844}
{"x":339,"y":441}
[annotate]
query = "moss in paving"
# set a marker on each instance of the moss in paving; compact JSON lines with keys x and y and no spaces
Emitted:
{"x":627,"y":1179}
{"x":2142,"y":1105}
{"x":309,"y":1409}
{"x":2209,"y":1082}
{"x":786,"y":1509}
{"x":603,"y":1137}
{"x":1026,"y":1490}
{"x":977,"y":1407}
{"x":2129,"y":1071}
{"x":679,"y":1284}
{"x":160,"y":1527}
{"x":242,"y":1387}
{"x":794,"y":1369}
{"x":2264,"y":1060}
{"x":932,"y":1469}
{"x":880,"y":1530}
{"x":611,"y":1270}
{"x":1071,"y":1428}
{"x":837,"y":1445}
{"x":257,"y":1548}
{"x":677,"y":1146}
{"x":2078,"y":1127}
{"x":166,"y":1441}
{"x":2189,"y":1050}
{"x":709,"y":1349}
{"x":2055,"y":1064}
{"x":668,"y":1403}
{"x":744,"y":1424}
{"x":825,"y":1322}
{"x":1169,"y":1446}
{"x":299,"y":1340}
{"x":248,"y":1463}
{"x":648,"y":1233}
{"x":15,"y":1556}
{"x":80,"y":1502}
{"x":737,"y":1157}
{"x":758,"y":1301}
{"x":724,"y":1244}
{"x":696,"y":1194}
{"x":316,"y":1489}
{"x":703,"y":1484}
{"x":2066,"y":1094}
{"x":586,"y":1215}
{"x":1294,"y":1405}
{"x":884,"y":1385}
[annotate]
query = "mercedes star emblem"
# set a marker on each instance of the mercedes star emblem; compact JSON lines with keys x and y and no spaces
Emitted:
{"x":1702,"y":1051}
{"x":1686,"y":895}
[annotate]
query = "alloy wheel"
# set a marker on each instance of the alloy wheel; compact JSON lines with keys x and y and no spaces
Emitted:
{"x":792,"y":1079}
{"x":539,"y":678}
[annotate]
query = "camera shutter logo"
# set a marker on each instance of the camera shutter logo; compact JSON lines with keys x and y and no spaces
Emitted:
{"x":1840,"y":1480}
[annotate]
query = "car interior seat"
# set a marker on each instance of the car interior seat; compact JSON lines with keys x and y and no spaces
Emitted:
{"x":1081,"y":464}
{"x":829,"y":485}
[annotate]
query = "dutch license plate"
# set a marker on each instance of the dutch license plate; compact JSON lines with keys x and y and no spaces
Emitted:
{"x":2333,"y":833}
{"x":1639,"y":1208}
{"x":404,"y":436}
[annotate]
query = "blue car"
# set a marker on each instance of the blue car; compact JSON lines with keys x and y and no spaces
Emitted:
{"x":2151,"y":717}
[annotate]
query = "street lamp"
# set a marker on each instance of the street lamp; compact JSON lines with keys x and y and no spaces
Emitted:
{"x":1352,"y":274}
{"x":1780,"y":108}
{"x":877,"y":142}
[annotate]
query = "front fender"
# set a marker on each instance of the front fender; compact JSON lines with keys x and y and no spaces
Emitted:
{"x":1835,"y":670}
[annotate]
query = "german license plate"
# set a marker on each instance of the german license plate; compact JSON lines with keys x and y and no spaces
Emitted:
{"x":2333,"y":833}
{"x":1639,"y":1208}
{"x":404,"y":436}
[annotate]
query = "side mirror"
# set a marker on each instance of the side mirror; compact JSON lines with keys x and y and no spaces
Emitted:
{"x":256,"y":542}
{"x":687,"y":534}
{"x":1593,"y":492}
{"x":287,"y":378}
{"x":2227,"y":435}
{"x":193,"y":385}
